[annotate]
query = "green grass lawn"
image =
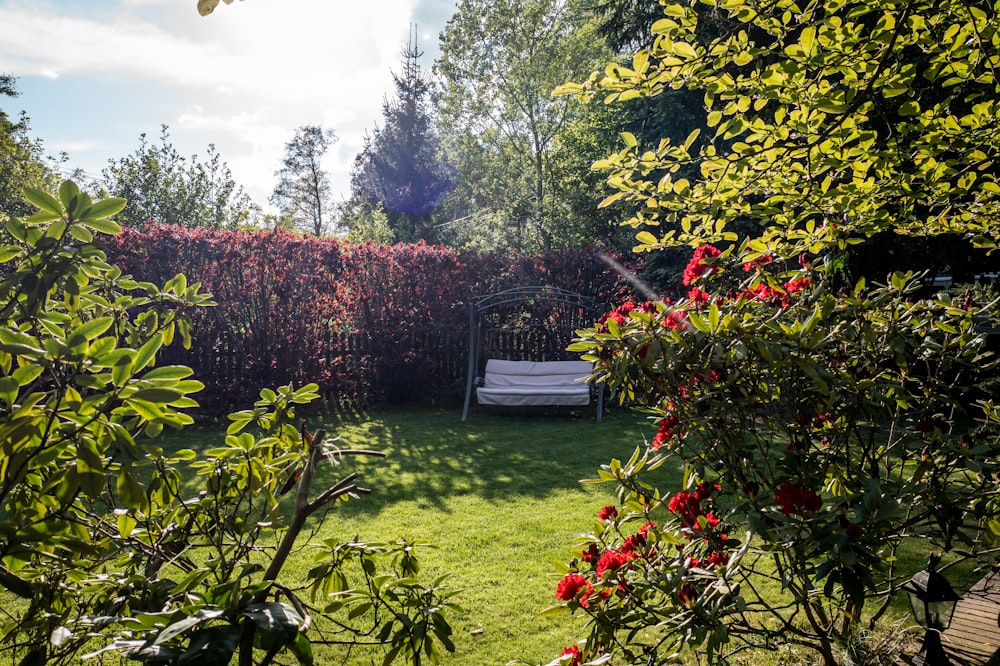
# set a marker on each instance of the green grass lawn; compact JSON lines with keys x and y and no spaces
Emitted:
{"x":498,"y":496}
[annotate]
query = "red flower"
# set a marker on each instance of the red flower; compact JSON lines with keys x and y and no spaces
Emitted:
{"x":794,"y":286}
{"x":762,"y":292}
{"x":665,"y":431}
{"x":611,"y":560}
{"x":591,"y":554}
{"x":686,"y":507}
{"x":619,"y":315}
{"x":701,"y":264}
{"x":698,"y":295}
{"x":607,"y":513}
{"x":674,"y":320}
{"x":795,"y":498}
{"x":718,"y":559}
{"x":633,"y":545}
{"x":644,"y":530}
{"x":571,"y":585}
{"x":573,"y":652}
{"x":711,"y":519}
{"x":759,"y":261}
{"x":687,"y":594}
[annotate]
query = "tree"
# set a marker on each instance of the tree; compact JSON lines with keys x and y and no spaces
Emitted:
{"x":400,"y":166}
{"x":162,"y":186}
{"x":21,"y":158}
{"x":303,"y":189}
{"x":112,"y":544}
{"x":825,"y":425}
{"x":499,"y":63}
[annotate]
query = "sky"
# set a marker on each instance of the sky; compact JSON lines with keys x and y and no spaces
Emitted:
{"x":94,"y":75}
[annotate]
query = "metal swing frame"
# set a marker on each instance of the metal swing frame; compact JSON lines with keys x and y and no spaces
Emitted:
{"x":516,"y":311}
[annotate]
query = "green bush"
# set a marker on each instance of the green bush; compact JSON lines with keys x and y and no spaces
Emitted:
{"x":106,"y":544}
{"x":824,"y":422}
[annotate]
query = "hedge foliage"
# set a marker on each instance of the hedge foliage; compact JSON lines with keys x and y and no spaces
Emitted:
{"x":367,"y":323}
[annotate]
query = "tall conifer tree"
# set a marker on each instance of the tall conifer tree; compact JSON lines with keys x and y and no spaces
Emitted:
{"x":400,"y":166}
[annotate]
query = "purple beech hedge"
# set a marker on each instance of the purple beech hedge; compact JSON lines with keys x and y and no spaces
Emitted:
{"x":370,"y":324}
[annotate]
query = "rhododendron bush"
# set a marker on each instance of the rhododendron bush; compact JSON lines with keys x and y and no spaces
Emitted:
{"x":826,"y":425}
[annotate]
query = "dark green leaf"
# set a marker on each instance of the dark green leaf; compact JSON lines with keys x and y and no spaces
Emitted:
{"x":211,"y":646}
{"x":279,"y":620}
{"x":16,"y":585}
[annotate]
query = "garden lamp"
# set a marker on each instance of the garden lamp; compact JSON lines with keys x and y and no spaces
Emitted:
{"x":933,"y":601}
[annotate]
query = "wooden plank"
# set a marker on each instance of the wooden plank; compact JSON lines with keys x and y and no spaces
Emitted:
{"x":973,"y":639}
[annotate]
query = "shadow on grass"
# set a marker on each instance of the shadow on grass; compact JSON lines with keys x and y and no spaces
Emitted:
{"x":432,"y":455}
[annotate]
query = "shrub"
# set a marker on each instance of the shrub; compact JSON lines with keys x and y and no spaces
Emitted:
{"x":821,"y":419}
{"x":113,"y":544}
{"x":367,"y":323}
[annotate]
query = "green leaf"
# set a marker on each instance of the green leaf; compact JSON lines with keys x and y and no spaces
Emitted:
{"x":106,"y":208}
{"x":181,"y":626}
{"x":103,"y":226}
{"x":89,"y":330}
{"x":126,"y":524}
{"x":157,"y":394}
{"x":43,"y":200}
{"x":14,"y":584}
{"x":147,"y":353}
{"x":69,"y":194}
{"x":279,"y":620}
{"x":169,"y":372}
{"x":211,"y":646}
{"x":131,"y":492}
{"x":302,"y":649}
{"x":90,"y":468}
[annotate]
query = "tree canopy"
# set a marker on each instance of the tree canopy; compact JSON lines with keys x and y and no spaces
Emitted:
{"x":160,"y":185}
{"x":21,"y":158}
{"x":499,"y":63}
{"x":401,"y":167}
{"x":303,"y":189}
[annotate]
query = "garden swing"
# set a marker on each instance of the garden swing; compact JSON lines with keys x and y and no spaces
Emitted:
{"x":517,"y":349}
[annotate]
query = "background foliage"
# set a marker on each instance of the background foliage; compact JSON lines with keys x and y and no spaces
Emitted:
{"x":367,"y":323}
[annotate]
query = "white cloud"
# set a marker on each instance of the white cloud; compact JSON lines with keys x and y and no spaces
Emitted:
{"x":247,"y":76}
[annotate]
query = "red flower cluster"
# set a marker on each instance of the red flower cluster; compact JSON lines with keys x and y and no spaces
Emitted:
{"x":613,"y":560}
{"x":795,"y":286}
{"x":573,"y":652}
{"x":768,"y":294}
{"x":619,"y":315}
{"x":665,"y":431}
{"x":697,"y":296}
{"x":674,"y":319}
{"x":635,"y":545}
{"x":701,"y":264}
{"x":688,"y":508}
{"x":795,"y":498}
{"x":570,"y":587}
{"x":759,"y":261}
{"x":607,"y":513}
